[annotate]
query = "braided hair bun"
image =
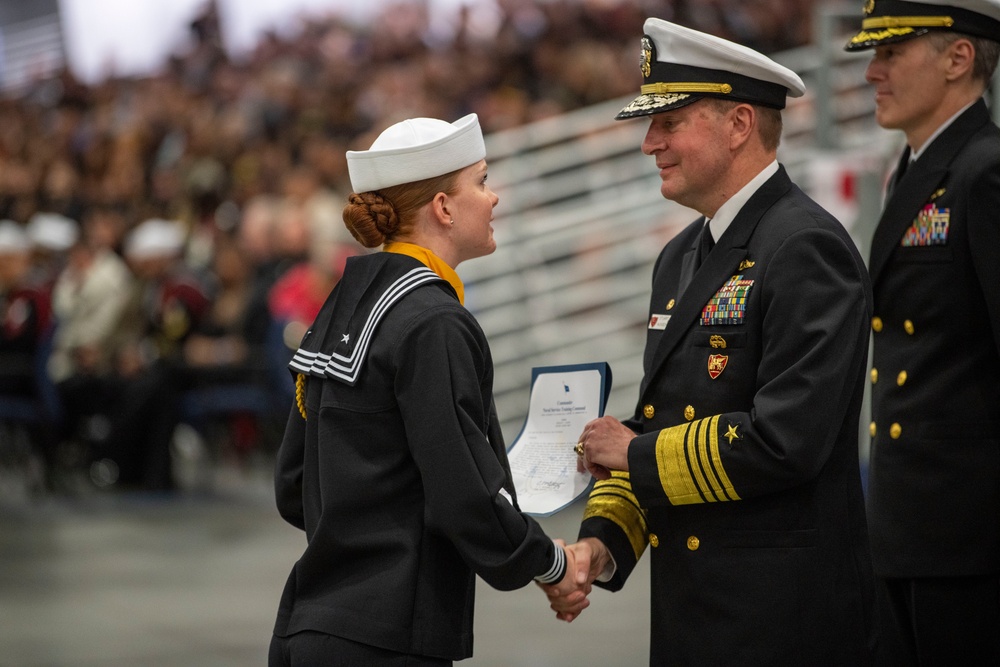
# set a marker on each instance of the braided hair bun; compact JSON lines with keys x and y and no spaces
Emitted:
{"x":371,"y":218}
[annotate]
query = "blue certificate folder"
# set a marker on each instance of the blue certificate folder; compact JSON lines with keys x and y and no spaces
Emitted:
{"x":561,"y":401}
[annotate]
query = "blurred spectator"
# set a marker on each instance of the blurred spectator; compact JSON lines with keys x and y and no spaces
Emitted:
{"x":24,"y":324}
{"x":226,"y":358}
{"x":87,"y":302}
{"x":298,"y":295}
{"x":51,"y":235}
{"x":24,"y":312}
{"x":143,"y":397}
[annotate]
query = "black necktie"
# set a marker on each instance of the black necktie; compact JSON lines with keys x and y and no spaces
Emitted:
{"x":705,"y":244}
{"x":904,"y":162}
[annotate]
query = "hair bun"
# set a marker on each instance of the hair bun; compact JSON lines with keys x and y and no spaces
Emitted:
{"x":370,"y":218}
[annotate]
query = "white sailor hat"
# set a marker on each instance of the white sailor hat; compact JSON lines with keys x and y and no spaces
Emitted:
{"x":416,"y":149}
{"x":154,"y":238}
{"x":888,"y":21}
{"x":680,"y":66}
{"x":52,"y":231}
{"x":13,"y":238}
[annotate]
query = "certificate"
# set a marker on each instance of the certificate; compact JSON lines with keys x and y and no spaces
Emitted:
{"x":542,"y":461}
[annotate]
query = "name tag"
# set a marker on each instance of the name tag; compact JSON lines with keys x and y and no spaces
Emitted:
{"x":659,"y":322}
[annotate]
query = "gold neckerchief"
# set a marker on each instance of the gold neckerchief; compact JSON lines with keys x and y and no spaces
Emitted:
{"x":431,"y":261}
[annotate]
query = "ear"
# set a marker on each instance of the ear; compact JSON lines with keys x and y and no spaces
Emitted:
{"x":440,"y":210}
{"x":961,"y":58}
{"x":743,"y":118}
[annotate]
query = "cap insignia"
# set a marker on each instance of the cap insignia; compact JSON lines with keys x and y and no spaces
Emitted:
{"x":646,"y":57}
{"x":869,"y":7}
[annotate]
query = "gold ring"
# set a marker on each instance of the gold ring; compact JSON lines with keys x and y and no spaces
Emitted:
{"x":578,"y":449}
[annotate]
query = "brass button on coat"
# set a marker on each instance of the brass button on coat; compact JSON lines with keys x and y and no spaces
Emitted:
{"x":876,"y":324}
{"x":693,"y":543}
{"x":689,"y":412}
{"x":908,"y":327}
{"x":901,"y":378}
{"x":648,"y":411}
{"x":872,"y":429}
{"x":654,"y":541}
{"x":874,"y":375}
{"x":895,"y":431}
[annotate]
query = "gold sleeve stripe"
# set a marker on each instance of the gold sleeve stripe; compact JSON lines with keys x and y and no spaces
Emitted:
{"x":724,"y":485}
{"x":671,"y":461}
{"x":613,"y":500}
{"x":697,"y":456}
{"x":690,"y":464}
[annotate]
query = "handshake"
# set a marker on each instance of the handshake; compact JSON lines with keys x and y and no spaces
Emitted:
{"x":603,"y":447}
{"x":586,"y":560}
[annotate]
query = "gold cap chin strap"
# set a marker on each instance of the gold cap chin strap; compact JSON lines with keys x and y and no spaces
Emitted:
{"x":907,"y":22}
{"x":679,"y":87}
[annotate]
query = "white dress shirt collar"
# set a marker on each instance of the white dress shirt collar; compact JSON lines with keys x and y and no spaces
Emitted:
{"x":914,"y":154}
{"x":728,"y":211}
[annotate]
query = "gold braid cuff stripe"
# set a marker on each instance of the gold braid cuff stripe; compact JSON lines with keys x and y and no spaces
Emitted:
{"x":690,"y":465}
{"x":613,"y":500}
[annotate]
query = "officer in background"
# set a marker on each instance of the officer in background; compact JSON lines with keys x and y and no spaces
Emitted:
{"x":740,"y":465}
{"x":934,"y":490}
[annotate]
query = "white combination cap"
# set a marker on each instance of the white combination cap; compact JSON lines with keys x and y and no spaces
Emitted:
{"x":52,"y":231}
{"x":13,"y":238}
{"x":154,"y":238}
{"x":680,"y":66}
{"x":416,"y":149}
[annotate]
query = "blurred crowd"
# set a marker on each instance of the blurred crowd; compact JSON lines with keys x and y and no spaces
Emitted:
{"x":166,"y":238}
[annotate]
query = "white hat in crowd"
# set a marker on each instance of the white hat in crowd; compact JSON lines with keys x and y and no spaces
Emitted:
{"x":13,"y":238}
{"x":52,"y":231}
{"x":889,"y":21}
{"x":154,"y":238}
{"x":416,"y":149}
{"x":680,"y":66}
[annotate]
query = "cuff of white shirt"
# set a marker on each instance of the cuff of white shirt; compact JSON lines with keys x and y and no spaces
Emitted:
{"x":609,"y":570}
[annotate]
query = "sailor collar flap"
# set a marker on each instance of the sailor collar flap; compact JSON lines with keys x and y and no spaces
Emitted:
{"x":336,"y":346}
